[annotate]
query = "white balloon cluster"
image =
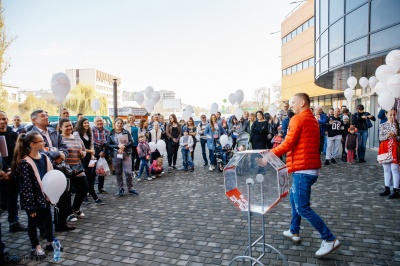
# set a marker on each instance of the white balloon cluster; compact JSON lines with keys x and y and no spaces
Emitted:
{"x":152,"y":98}
{"x":237,"y":97}
{"x":187,"y":113}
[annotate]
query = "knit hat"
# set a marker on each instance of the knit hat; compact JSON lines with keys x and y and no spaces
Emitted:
{"x":352,"y":128}
{"x":345,"y":117}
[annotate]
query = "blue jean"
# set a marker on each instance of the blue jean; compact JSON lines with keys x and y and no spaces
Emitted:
{"x":362,"y":143}
{"x":300,"y":193}
{"x":143,"y":165}
{"x":213,"y":160}
{"x":187,"y":159}
{"x":203,"y":143}
{"x":325,"y":143}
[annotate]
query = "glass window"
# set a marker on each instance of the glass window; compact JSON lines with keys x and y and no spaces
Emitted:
{"x":299,"y":30}
{"x":324,"y":14}
{"x":336,"y":57}
{"x":351,"y":4}
{"x":294,"y":34}
{"x":305,"y":25}
{"x":317,"y":56}
{"x":311,"y":61}
{"x":357,"y":23}
{"x":289,"y":37}
{"x":311,"y":22}
{"x":299,"y":66}
{"x":324,"y":64}
{"x":324,"y":43}
{"x":384,"y":13}
{"x":356,"y":49}
{"x":284,"y":72}
{"x":294,"y":69}
{"x":283,"y":40}
{"x":289,"y":71}
{"x":317,"y":18}
{"x":336,"y":34}
{"x":306,"y":64}
{"x":336,"y":10}
{"x":317,"y":69}
{"x":385,"y":39}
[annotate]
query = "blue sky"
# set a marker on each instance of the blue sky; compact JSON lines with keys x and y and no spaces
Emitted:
{"x":201,"y":49}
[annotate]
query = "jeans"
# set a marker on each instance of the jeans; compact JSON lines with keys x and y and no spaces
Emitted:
{"x":187,"y":159}
{"x":203,"y":143}
{"x":143,"y":165}
{"x":300,"y":193}
{"x":332,"y":147}
{"x":213,"y":160}
{"x":325,"y":143}
{"x":362,"y":143}
{"x":123,"y":165}
{"x":45,"y":215}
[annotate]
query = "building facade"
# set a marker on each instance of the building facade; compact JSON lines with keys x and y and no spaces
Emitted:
{"x":101,"y":81}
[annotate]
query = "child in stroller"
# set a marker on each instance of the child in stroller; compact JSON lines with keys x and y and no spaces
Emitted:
{"x":222,"y":154}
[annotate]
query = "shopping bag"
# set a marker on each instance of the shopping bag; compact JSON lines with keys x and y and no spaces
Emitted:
{"x":102,"y":168}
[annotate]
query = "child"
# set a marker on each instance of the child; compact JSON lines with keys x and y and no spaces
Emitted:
{"x":242,"y":148}
{"x":345,"y":131}
{"x":351,"y":144}
{"x":156,"y":167}
{"x":278,"y":139}
{"x":186,"y":142}
{"x":143,"y":150}
{"x":155,"y":135}
{"x":30,"y":166}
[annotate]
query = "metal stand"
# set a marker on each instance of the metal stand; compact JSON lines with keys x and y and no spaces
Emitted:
{"x":261,"y":240}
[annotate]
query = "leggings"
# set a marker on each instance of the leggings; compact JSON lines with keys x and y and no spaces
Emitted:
{"x":391,"y":170}
{"x":45,"y":218}
{"x":172,"y":153}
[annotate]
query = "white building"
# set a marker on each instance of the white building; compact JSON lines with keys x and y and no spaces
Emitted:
{"x":12,"y":93}
{"x":101,"y":81}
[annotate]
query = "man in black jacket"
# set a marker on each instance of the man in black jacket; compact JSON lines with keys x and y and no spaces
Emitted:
{"x":360,"y":121}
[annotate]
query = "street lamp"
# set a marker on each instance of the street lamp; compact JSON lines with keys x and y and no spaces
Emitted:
{"x":115,"y":99}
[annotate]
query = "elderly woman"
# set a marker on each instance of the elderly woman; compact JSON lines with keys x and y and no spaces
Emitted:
{"x":120,"y":144}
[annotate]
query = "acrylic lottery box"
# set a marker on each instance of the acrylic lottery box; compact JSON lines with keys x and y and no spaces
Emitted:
{"x":260,"y":173}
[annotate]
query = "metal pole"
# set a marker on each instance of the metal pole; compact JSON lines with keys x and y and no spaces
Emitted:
{"x":115,"y":99}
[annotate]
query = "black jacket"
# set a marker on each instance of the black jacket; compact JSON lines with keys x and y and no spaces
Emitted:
{"x":361,"y":123}
{"x":11,"y":140}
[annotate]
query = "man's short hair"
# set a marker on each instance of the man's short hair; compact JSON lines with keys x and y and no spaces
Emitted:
{"x":97,"y":118}
{"x":360,"y":107}
{"x":79,"y":115}
{"x":305,"y":97}
{"x":35,"y":113}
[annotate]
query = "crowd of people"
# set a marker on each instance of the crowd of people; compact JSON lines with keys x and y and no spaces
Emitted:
{"x":71,"y":147}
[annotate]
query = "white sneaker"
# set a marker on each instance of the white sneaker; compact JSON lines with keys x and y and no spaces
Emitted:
{"x":149,"y":178}
{"x":327,"y":248}
{"x":79,"y":214}
{"x":211,"y":168}
{"x":288,"y":234}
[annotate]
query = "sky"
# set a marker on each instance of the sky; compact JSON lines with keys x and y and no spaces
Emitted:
{"x":201,"y":49}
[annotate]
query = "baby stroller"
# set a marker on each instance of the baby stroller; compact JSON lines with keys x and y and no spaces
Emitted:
{"x":243,"y":139}
{"x":222,"y":155}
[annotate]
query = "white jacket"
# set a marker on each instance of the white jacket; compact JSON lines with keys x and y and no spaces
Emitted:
{"x":190,"y":142}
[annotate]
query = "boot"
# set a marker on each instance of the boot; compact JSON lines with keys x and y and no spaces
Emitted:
{"x":386,"y":192}
{"x":395,"y":194}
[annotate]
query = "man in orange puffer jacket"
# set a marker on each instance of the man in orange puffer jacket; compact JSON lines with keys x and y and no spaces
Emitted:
{"x":303,"y":160}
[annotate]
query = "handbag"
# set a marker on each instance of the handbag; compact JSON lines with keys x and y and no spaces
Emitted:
{"x":369,"y":123}
{"x":74,"y":170}
{"x":386,"y":157}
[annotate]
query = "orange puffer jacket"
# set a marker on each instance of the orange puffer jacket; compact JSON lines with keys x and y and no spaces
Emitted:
{"x":301,"y":143}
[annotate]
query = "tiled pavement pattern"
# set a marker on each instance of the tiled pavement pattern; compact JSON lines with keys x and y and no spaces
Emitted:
{"x":184,"y":218}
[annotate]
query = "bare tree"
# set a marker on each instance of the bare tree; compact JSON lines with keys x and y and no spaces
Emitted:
{"x":261,"y":97}
{"x":277,"y":91}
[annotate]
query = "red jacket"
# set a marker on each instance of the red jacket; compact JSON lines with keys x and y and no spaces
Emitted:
{"x":301,"y":143}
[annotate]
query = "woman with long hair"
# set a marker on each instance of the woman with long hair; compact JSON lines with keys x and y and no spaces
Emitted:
{"x":259,"y":132}
{"x":143,"y":128}
{"x":76,"y":152}
{"x":192,"y":130}
{"x":29,"y":165}
{"x":120,"y":145}
{"x":84,"y":131}
{"x":213,"y":132}
{"x":173,"y":133}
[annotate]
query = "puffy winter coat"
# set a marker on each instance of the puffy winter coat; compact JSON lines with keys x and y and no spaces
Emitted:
{"x":301,"y":143}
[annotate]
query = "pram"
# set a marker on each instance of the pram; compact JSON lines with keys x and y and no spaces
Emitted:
{"x":222,"y":155}
{"x":242,"y":139}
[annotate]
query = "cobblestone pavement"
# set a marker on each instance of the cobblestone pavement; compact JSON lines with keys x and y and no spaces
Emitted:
{"x":185,"y":218}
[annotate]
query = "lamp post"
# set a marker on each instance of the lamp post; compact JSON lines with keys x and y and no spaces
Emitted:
{"x":115,"y":99}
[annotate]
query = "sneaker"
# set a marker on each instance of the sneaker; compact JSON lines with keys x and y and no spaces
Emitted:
{"x":154,"y":176}
{"x":102,"y":191}
{"x":326,"y":162}
{"x":50,"y":247}
{"x":191,"y":169}
{"x":79,"y":214}
{"x":86,"y":201}
{"x":133,"y":175}
{"x":211,"y":168}
{"x":132,"y":191}
{"x":72,"y":219}
{"x":99,"y":201}
{"x":149,"y":178}
{"x":333,"y":160}
{"x":121,"y":192}
{"x":294,"y":238}
{"x":38,"y":253}
{"x":205,"y":164}
{"x":174,"y":167}
{"x":139,"y":179}
{"x":169,"y":169}
{"x":327,"y":248}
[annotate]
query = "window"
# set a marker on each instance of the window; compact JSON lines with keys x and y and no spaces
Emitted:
{"x":306,"y":64}
{"x":324,"y":14}
{"x":294,"y":70}
{"x":289,"y":71}
{"x":385,"y":39}
{"x":356,"y":49}
{"x":311,"y":22}
{"x":390,"y":9}
{"x":317,"y":17}
{"x":317,"y":69}
{"x":351,"y":4}
{"x":324,"y":43}
{"x":311,"y":61}
{"x":336,"y":10}
{"x":336,"y":57}
{"x":357,"y":23}
{"x":336,"y":34}
{"x":300,"y":66}
{"x":305,"y":25}
{"x":317,"y":56}
{"x":324,"y":64}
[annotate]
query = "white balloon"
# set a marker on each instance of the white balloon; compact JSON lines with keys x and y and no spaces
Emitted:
{"x":363,"y":82}
{"x":232,"y":98}
{"x":60,"y":86}
{"x":54,"y":183}
{"x":149,"y":91}
{"x":214,"y":108}
{"x":393,"y":60}
{"x":152,"y":146}
{"x":95,"y":105}
{"x":239,"y":113}
{"x":272,"y":109}
{"x":372,"y":81}
{"x":348,"y":93}
{"x":189,"y":108}
{"x":380,"y":87}
{"x":290,"y":101}
{"x":386,"y":100}
{"x":239,"y":96}
{"x":186,"y":115}
{"x":384,"y":72}
{"x":161,"y":146}
{"x":223,"y":140}
{"x":148,"y":105}
{"x":352,"y":82}
{"x":394,"y":85}
{"x":155,"y":97}
{"x":139,"y":98}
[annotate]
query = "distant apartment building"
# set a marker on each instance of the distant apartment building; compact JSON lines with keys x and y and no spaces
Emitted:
{"x":12,"y":93}
{"x":101,"y":81}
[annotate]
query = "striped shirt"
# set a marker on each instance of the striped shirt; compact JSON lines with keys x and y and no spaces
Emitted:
{"x":74,"y":146}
